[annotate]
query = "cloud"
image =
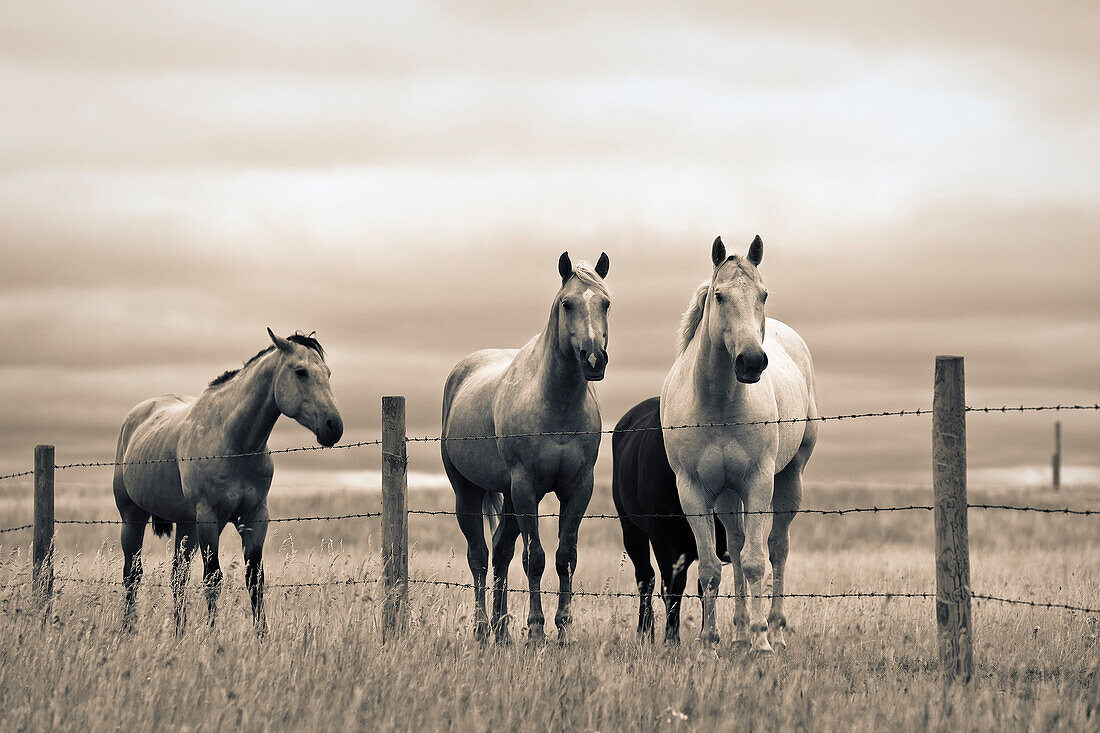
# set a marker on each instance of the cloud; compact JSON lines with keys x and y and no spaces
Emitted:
{"x":401,"y":179}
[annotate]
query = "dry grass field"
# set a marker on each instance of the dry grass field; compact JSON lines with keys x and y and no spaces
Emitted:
{"x":851,"y":664}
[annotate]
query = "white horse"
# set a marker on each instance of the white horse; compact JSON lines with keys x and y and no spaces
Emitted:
{"x":735,"y":365}
{"x":160,"y":474}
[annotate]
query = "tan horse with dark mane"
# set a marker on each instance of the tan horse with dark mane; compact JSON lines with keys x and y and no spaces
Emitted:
{"x":541,"y":388}
{"x":159,"y":474}
{"x":736,"y":366}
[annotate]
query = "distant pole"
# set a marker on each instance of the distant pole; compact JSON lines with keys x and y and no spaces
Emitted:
{"x":1057,"y":458}
{"x":42,"y":560}
{"x":952,"y":543}
{"x":395,"y":519}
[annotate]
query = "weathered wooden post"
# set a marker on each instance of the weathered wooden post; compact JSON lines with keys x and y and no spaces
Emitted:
{"x":395,"y":518}
{"x":1057,"y":458}
{"x":952,"y":543}
{"x":42,"y":552}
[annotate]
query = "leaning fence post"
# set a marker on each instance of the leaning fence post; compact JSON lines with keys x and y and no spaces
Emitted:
{"x":395,"y":518}
{"x":42,"y":565}
{"x":952,"y":543}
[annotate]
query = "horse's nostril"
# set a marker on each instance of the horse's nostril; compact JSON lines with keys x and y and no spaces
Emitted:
{"x":739,"y":362}
{"x":330,"y":424}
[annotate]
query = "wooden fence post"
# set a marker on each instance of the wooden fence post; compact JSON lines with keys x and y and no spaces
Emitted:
{"x":1057,"y":458}
{"x":395,"y":519}
{"x":952,"y":542}
{"x":42,"y":553}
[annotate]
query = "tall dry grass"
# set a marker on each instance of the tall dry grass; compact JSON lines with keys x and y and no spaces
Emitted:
{"x":850,"y":664}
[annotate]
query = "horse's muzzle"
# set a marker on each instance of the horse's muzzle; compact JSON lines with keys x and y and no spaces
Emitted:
{"x":330,"y":433}
{"x":593,"y":364}
{"x":749,"y":365}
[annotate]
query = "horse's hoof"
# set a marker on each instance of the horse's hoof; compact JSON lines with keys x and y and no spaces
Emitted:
{"x":778,"y":639}
{"x":536,"y":636}
{"x":504,"y":639}
{"x":710,"y":638}
{"x":761,"y":646}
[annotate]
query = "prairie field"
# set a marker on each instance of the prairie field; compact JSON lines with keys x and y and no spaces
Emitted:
{"x":850,"y":663}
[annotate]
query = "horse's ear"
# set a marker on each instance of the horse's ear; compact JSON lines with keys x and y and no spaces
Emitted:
{"x":281,"y":343}
{"x":756,"y":251}
{"x":565,"y":267}
{"x":718,"y":252}
{"x":602,"y":264}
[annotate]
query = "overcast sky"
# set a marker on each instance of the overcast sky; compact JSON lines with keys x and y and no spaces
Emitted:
{"x":401,"y":178}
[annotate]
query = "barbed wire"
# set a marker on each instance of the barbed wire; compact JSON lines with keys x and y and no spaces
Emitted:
{"x":637,"y":515}
{"x":308,"y":518}
{"x":845,"y":594}
{"x":159,"y":584}
{"x":1033,"y":604}
{"x":611,"y":431}
{"x":620,"y":594}
{"x":186,"y":459}
{"x":16,"y":529}
{"x":662,"y":428}
{"x":1033,"y":408}
{"x":885,"y":595}
{"x":631,"y":515}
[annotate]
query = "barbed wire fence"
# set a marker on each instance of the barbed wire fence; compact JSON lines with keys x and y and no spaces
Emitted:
{"x":394,"y":481}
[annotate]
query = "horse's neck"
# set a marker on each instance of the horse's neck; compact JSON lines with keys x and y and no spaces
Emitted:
{"x":247,"y":406}
{"x":559,"y":376}
{"x":713,"y":375}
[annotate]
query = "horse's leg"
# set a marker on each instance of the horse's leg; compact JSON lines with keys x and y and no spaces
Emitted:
{"x":757,"y":497}
{"x":735,"y":539}
{"x":728,"y":510}
{"x":504,"y":548}
{"x":699,"y":515}
{"x":674,"y":566}
{"x":133,"y":536}
{"x":569,"y":524}
{"x":208,"y":529}
{"x":526,"y":504}
{"x":787,"y":500}
{"x":186,"y":542}
{"x":468,"y":507}
{"x":253,"y":532}
{"x":637,"y":549}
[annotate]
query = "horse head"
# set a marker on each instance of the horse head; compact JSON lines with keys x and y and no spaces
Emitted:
{"x":582,"y":307}
{"x":736,"y":309}
{"x":302,"y":390}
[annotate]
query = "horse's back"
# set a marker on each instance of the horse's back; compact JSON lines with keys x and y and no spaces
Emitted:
{"x":147,"y":448}
{"x":642,"y":478}
{"x":468,"y":412}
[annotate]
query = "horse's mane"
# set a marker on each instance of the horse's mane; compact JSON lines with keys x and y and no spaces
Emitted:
{"x":689,"y":324}
{"x":297,"y":337}
{"x":588,"y":276}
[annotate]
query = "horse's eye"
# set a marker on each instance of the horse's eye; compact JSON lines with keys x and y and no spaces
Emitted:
{"x":765,"y":298}
{"x":302,"y":373}
{"x":567,"y":305}
{"x":718,"y":297}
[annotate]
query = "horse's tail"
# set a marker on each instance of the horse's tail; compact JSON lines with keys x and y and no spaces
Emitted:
{"x":493,"y":507}
{"x":162,"y":527}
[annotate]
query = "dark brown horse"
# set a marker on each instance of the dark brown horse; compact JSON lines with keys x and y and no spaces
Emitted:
{"x":644,"y":489}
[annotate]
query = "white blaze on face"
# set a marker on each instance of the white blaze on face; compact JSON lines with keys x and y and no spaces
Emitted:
{"x":588,"y":295}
